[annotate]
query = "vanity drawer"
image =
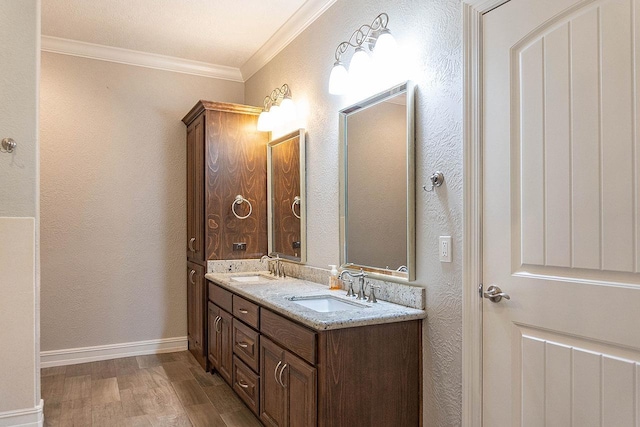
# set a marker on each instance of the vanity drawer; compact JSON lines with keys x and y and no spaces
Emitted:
{"x":245,"y":344}
{"x":221,"y":297}
{"x":246,"y":384}
{"x":296,"y":338}
{"x":246,"y":311}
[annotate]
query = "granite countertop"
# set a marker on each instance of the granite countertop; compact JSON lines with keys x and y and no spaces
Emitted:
{"x":274,"y":293}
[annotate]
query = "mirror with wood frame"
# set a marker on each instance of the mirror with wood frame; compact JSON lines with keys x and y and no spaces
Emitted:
{"x":286,"y":197}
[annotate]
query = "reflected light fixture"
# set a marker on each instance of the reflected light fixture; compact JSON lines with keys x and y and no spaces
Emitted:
{"x":376,"y":38}
{"x":279,"y":109}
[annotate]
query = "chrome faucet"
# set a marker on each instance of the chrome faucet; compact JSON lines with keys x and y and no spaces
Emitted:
{"x":275,"y":265}
{"x":360,"y":277}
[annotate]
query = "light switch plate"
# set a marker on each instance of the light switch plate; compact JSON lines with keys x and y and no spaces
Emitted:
{"x":444,"y":248}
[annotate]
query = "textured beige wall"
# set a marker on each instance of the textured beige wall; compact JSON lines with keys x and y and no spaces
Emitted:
{"x":19,"y":341}
{"x":113,"y":199}
{"x":430,"y":34}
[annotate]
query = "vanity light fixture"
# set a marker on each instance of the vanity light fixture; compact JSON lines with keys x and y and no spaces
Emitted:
{"x":378,"y":39}
{"x":279,"y":109}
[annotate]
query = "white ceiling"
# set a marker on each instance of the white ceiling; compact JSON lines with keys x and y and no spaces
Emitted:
{"x":226,"y":33}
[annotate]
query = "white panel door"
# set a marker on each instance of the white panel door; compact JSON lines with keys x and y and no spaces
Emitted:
{"x":561,"y":224}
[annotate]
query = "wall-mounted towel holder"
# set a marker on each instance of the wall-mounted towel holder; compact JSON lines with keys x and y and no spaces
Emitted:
{"x":436,"y":179}
{"x":7,"y":145}
{"x":238,"y":201}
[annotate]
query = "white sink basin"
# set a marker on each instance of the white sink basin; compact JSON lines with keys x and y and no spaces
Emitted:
{"x":326,"y":303}
{"x":250,"y":278}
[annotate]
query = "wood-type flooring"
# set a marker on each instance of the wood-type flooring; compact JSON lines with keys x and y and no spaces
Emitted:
{"x":168,"y":389}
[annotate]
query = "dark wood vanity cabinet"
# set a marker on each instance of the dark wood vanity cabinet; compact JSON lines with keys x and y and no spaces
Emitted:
{"x":220,"y":352}
{"x":288,"y":397}
{"x":234,"y":354}
{"x":290,"y":375}
{"x":195,"y":308}
{"x":226,"y":157}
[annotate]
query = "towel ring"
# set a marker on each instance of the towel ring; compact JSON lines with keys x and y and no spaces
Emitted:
{"x":238,"y":201}
{"x":296,"y":201}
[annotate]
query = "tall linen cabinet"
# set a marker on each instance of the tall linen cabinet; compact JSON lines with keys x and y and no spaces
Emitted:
{"x":226,"y":158}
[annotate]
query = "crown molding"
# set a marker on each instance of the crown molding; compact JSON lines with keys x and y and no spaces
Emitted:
{"x":140,"y":59}
{"x":299,"y":21}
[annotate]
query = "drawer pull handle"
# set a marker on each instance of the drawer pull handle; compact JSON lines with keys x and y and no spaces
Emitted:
{"x":191,"y":273}
{"x":242,"y":344}
{"x":280,"y":376}
{"x":191,"y":242}
{"x":243,"y":384}
{"x":275,"y":371}
{"x":218,"y":319}
{"x":243,"y":311}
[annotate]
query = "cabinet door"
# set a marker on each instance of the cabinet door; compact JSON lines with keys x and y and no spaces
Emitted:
{"x":195,"y":302}
{"x":191,"y":307}
{"x":225,"y":365}
{"x":236,"y":163}
{"x":196,"y":311}
{"x":299,"y":379}
{"x":195,"y":190}
{"x":214,"y":337}
{"x":273,"y":402}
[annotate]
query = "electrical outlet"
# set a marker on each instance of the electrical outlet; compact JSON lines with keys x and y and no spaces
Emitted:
{"x":240,"y":246}
{"x":445,"y":248}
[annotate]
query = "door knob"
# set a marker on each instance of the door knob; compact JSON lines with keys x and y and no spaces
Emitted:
{"x":495,"y":294}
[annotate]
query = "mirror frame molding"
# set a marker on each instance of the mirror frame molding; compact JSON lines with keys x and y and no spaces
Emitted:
{"x":303,"y":196}
{"x":374,"y":272}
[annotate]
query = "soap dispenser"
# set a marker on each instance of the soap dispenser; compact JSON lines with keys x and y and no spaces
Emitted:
{"x":334,"y":281}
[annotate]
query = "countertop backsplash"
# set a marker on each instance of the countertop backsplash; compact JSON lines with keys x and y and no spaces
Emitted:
{"x":397,"y":293}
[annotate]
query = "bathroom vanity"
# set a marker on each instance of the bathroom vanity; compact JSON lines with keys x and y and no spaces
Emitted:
{"x":299,"y":354}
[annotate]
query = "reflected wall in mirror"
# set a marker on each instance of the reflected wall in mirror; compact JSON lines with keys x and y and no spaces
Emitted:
{"x":286,"y":196}
{"x":377,"y":224}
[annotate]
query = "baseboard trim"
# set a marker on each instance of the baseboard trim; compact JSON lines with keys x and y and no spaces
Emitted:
{"x":73,"y":356}
{"x":32,"y":417}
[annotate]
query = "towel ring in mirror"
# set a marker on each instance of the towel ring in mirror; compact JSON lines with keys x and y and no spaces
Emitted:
{"x":296,"y":201}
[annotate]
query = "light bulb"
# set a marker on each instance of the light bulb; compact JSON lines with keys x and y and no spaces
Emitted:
{"x":338,"y":80}
{"x":385,"y":47}
{"x":275,"y":116}
{"x":360,"y":74}
{"x":264,"y":122}
{"x":359,"y":65}
{"x":386,"y":60}
{"x":288,"y":110}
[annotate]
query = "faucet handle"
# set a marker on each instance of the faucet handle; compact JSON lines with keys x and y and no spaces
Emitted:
{"x":372,"y":296}
{"x":350,"y":292}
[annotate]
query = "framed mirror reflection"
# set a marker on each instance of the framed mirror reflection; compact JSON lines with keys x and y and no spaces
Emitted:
{"x":377,"y":185}
{"x":286,"y":198}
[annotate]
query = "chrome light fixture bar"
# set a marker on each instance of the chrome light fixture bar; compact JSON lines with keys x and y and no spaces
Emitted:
{"x":374,"y":36}
{"x":279,"y":109}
